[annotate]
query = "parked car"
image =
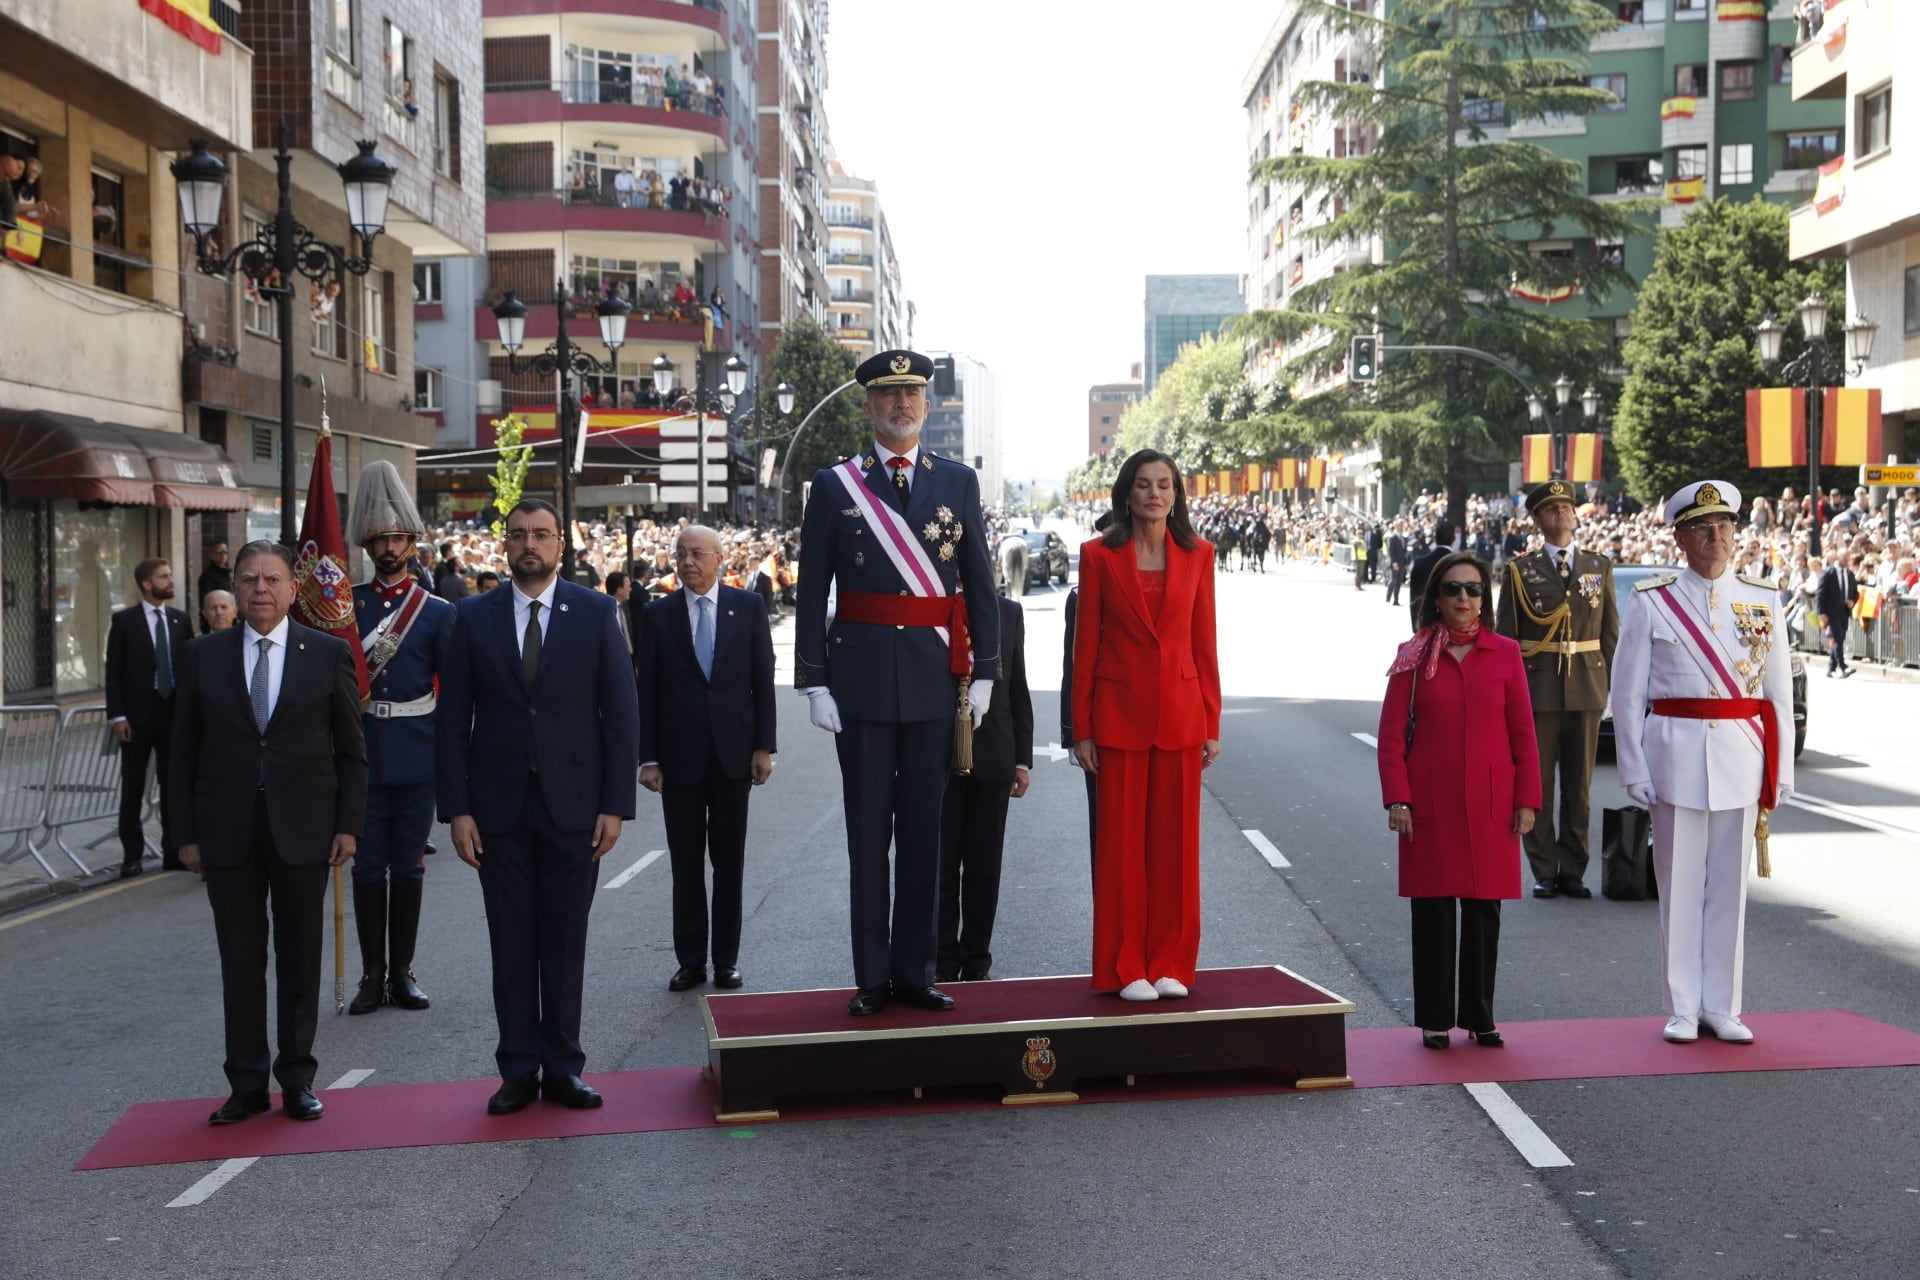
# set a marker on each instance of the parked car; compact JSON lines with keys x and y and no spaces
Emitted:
{"x":1625,"y":577}
{"x":1046,"y":558}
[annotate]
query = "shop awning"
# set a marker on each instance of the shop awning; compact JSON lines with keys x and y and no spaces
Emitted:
{"x":47,"y":456}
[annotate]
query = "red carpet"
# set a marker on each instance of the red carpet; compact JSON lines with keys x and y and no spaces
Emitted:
{"x":424,"y":1115}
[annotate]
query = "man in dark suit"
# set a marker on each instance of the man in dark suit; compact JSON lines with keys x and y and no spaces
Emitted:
{"x":1374,"y":543}
{"x":217,"y":576}
{"x":271,"y":708}
{"x":1443,"y":534}
{"x":898,"y":532}
{"x":706,"y":740}
{"x":973,"y":820}
{"x":536,"y":740}
{"x":144,"y":647}
{"x":1835,"y":594}
{"x":1396,"y":565}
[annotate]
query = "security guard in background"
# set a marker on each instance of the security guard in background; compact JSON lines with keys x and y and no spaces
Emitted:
{"x":405,"y":630}
{"x":1558,"y":603}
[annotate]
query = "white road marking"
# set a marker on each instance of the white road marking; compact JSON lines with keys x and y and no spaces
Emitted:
{"x":1275,"y":859}
{"x":1369,"y":739}
{"x":653,"y":856}
{"x":1858,"y":817}
{"x":200,"y":1191}
{"x":1534,"y":1146}
{"x":1054,"y":752}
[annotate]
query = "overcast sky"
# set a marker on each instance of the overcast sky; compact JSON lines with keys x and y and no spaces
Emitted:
{"x":1036,"y":160}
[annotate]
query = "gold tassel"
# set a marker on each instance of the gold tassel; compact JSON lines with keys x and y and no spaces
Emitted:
{"x":1764,"y":864}
{"x":963,"y":733}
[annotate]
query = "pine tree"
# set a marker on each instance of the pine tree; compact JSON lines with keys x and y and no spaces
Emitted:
{"x":808,"y":358}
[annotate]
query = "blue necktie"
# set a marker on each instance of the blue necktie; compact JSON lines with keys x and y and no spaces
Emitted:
{"x":703,"y":636}
{"x":162,"y":657}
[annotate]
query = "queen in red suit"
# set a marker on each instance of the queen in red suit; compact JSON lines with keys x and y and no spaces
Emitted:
{"x":1146,"y":708}
{"x":1461,"y":783}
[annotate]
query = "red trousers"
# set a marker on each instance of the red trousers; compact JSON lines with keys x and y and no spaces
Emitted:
{"x":1146,"y":867}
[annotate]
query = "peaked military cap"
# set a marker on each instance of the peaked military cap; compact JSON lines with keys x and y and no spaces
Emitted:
{"x":1703,"y":498}
{"x":1550,"y":491}
{"x":895,"y":369}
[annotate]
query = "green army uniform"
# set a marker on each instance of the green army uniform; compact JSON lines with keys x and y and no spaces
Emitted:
{"x":1561,"y":609}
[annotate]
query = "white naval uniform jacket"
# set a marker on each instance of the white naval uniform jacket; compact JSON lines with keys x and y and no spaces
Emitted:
{"x":1697,"y":764}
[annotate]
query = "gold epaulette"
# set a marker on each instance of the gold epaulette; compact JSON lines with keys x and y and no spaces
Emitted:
{"x":1657,"y":581}
{"x":1754,"y":582}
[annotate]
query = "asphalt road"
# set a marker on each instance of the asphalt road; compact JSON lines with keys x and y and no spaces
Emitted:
{"x":112,"y":998}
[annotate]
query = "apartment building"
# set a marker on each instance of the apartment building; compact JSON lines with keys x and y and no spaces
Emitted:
{"x":794,"y":173}
{"x":867,"y":309}
{"x":1107,"y":403}
{"x":965,"y":426}
{"x":1180,"y":310}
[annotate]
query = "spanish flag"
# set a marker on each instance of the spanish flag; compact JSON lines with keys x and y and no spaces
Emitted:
{"x":1681,"y":108}
{"x":370,"y":354}
{"x":1742,"y":11}
{"x":1289,"y":473}
{"x":191,"y":18}
{"x":1851,"y":416}
{"x":1685,"y":190}
{"x":1226,"y":481}
{"x":1777,"y":427}
{"x":1317,"y":474}
{"x":1830,"y":188}
{"x":1536,"y":459}
{"x":1253,"y":477}
{"x":1833,"y":32}
{"x":1583,"y":457}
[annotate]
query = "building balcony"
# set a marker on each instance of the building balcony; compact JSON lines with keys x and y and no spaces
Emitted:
{"x":849,"y":221}
{"x":857,"y":298}
{"x":849,"y":259}
{"x":656,"y":16}
{"x":647,"y":326}
{"x":1869,"y":202}
{"x":1820,"y":61}
{"x":40,"y":367}
{"x":551,"y":212}
{"x":589,"y":102}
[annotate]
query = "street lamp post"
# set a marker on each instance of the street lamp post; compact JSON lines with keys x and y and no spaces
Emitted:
{"x":787,"y":462}
{"x":736,"y":383}
{"x":1769,"y":336}
{"x":566,"y":358}
{"x":287,"y":248}
{"x":783,"y":394}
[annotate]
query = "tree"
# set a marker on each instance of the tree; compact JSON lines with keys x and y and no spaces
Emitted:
{"x":1187,"y":415}
{"x":509,"y":478}
{"x":808,"y":358}
{"x":1691,"y":357}
{"x":1454,"y":210}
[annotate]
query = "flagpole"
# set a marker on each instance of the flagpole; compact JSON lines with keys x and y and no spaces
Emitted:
{"x":339,"y":878}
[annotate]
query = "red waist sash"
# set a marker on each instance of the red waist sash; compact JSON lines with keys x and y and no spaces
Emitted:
{"x":884,"y":610}
{"x":1735,"y":709}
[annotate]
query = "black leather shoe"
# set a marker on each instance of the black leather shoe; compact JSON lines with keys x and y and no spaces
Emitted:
{"x":570,"y":1091}
{"x":1487,"y":1039}
{"x":429,"y":849}
{"x":1545,"y":889}
{"x":974,"y":975}
{"x":932,"y":999}
{"x":728,"y":978}
{"x":514,"y":1094}
{"x":405,"y":992}
{"x":867,"y":1000}
{"x":1435,"y":1039}
{"x":300,"y":1104}
{"x":128,"y":870}
{"x":371,"y":995}
{"x":1572,"y":888}
{"x":239,"y":1107}
{"x":947,"y":975}
{"x":686,"y":977}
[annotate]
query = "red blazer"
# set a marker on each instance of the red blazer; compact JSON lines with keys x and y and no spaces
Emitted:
{"x":1138,"y":683}
{"x":1474,"y":759}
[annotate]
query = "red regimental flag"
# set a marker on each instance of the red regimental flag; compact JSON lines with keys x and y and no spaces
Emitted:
{"x":323,"y":597}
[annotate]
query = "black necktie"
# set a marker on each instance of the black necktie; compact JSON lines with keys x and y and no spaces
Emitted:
{"x":530,"y":644}
{"x":162,"y":656}
{"x":899,"y":468}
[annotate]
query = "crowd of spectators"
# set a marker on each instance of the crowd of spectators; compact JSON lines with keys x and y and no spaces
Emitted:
{"x":646,"y":188}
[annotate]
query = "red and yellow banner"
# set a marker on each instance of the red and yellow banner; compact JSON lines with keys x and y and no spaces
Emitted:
{"x":1685,"y":190}
{"x":1777,"y":427}
{"x":1536,"y":459}
{"x":1289,"y":471}
{"x":1833,"y":31}
{"x":1317,"y":474}
{"x":1681,"y":108}
{"x":1851,"y":418}
{"x":1225,"y":480}
{"x":1742,"y":11}
{"x":1253,"y":477}
{"x":1543,"y":293}
{"x":1830,"y":189}
{"x":1583,"y":457}
{"x":191,"y":18}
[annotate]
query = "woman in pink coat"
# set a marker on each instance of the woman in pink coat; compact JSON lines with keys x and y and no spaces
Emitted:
{"x":1461,"y":782}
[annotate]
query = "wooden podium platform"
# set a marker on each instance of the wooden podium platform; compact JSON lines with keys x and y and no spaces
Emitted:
{"x":1036,"y":1038}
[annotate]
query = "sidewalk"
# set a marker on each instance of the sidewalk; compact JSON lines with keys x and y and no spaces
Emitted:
{"x":23,"y":883}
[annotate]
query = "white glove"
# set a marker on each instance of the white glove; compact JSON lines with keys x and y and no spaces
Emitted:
{"x":979,"y":694}
{"x":1641,"y":793}
{"x":1781,"y":794}
{"x":822,"y":709}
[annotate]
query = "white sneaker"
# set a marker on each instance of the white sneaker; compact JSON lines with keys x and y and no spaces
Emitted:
{"x":1170,"y":988}
{"x":1681,"y":1029}
{"x":1139,"y":989}
{"x":1727,"y":1027}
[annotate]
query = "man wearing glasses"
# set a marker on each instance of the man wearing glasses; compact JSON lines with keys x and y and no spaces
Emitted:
{"x":1702,"y":693}
{"x":536,"y":740}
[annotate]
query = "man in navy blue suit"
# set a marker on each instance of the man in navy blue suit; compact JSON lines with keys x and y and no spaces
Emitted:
{"x":537,"y":738}
{"x":898,"y":533}
{"x":705,"y":655}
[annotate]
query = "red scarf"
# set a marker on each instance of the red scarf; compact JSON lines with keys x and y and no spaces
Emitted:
{"x":1423,"y":651}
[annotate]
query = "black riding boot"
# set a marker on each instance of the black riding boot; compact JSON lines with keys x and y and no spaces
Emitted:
{"x":370,"y":921}
{"x":404,"y":926}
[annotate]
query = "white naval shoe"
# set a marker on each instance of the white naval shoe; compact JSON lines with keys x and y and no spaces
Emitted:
{"x":1139,"y":989}
{"x":1681,"y":1029}
{"x":1727,"y":1028}
{"x":1170,"y":988}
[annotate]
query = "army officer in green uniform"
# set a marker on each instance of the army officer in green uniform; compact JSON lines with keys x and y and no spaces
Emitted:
{"x":1558,"y":603}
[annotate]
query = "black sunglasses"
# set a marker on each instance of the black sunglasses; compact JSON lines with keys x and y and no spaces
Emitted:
{"x":1455,"y":588}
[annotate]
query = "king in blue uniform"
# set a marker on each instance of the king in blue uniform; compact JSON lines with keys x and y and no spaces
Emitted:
{"x":897,"y":531}
{"x":404,"y":631}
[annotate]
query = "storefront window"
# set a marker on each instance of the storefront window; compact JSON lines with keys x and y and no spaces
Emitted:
{"x":94,"y":552}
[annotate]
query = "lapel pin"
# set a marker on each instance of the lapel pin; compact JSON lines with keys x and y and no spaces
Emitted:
{"x":729,"y":613}
{"x":563,"y":608}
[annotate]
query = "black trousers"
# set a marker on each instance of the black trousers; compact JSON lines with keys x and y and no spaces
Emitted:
{"x":1093,"y":817}
{"x":1568,"y":742}
{"x":1837,"y":641}
{"x":707,"y":820}
{"x":973,"y":833}
{"x":538,"y":881}
{"x":1440,"y":952}
{"x":1396,"y":578}
{"x":893,"y":778}
{"x":152,"y":740}
{"x":241,"y":896}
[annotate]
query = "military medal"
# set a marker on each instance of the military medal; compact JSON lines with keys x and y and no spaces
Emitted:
{"x":1590,"y":589}
{"x":1755,"y":624}
{"x":942,"y":533}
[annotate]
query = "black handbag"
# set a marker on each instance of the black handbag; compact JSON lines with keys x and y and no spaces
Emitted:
{"x":1626,"y":855}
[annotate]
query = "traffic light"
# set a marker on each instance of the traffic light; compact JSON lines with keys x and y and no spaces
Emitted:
{"x":943,"y":376}
{"x":1364,"y":357}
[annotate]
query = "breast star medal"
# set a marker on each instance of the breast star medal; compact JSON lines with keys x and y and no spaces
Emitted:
{"x":942,"y":533}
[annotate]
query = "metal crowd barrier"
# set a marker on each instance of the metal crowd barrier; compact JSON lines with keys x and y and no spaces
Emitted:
{"x":83,"y":783}
{"x":28,"y":736}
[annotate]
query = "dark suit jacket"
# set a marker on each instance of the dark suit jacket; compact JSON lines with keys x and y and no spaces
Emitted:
{"x":581,"y":716}
{"x":1418,"y":574}
{"x":1397,"y":551}
{"x":687,"y":720}
{"x":1832,"y":598}
{"x":314,"y":756}
{"x":1004,"y":740}
{"x":1066,"y":669}
{"x":130,"y":662}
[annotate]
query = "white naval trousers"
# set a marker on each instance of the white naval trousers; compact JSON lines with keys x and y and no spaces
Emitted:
{"x":1700,"y":857}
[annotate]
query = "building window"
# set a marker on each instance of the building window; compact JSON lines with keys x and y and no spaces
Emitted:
{"x":257,"y":311}
{"x":397,"y":54}
{"x":1690,"y":6}
{"x":1810,"y":150}
{"x":427,"y":286}
{"x":1736,"y":164}
{"x":1783,"y":64}
{"x":341,"y":21}
{"x":1690,"y":162}
{"x":446,"y":126}
{"x":373,"y":307}
{"x":329,"y":326}
{"x":429,"y":390}
{"x":1736,"y":81}
{"x":342,"y":56}
{"x":1876,"y":118}
{"x":109,"y":231}
{"x":1690,"y":80}
{"x":1613,"y":84}
{"x":1913,"y":300}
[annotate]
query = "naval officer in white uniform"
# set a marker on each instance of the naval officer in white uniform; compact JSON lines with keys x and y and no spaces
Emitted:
{"x":1702,"y":704}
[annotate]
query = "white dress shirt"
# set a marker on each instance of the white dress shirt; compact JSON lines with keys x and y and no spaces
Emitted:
{"x":276,"y":661}
{"x":693,"y":609}
{"x":912,"y":456}
{"x":521,"y":604}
